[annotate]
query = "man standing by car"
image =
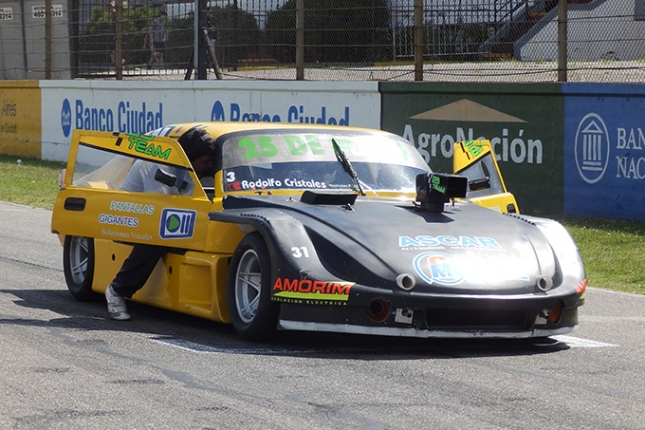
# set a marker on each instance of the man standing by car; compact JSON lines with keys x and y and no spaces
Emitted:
{"x":111,"y":9}
{"x":211,"y":27}
{"x":158,"y":34}
{"x":136,"y":269}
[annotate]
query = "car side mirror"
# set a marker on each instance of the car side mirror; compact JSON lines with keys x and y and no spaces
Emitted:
{"x":170,"y":180}
{"x":479,"y":184}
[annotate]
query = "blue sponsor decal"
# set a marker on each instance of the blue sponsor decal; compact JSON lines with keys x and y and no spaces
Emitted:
{"x":125,"y":118}
{"x":438,"y":268}
{"x":217,"y":113}
{"x":445,"y":240}
{"x":295,"y":114}
{"x":177,"y":223}
{"x":66,"y":118}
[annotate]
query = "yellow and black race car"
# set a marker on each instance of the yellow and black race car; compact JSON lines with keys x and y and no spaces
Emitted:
{"x":320,"y":228}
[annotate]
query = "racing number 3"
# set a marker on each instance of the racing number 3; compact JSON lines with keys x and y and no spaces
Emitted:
{"x":264,"y":147}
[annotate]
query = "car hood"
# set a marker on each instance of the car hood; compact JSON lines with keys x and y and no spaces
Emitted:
{"x":465,"y":249}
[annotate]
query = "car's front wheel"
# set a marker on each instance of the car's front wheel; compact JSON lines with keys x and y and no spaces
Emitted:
{"x":253,"y":314}
{"x":78,"y":263}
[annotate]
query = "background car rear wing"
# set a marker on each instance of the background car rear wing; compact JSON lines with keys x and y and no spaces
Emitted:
{"x":159,"y":149}
{"x":476,"y":160}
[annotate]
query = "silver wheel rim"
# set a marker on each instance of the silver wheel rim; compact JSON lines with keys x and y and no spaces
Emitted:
{"x":248,"y":285}
{"x":78,"y":256}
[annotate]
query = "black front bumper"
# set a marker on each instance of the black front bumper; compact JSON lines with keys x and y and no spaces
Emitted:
{"x":383,"y":312}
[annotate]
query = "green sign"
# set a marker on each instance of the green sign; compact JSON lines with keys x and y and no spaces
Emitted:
{"x":524,"y":123}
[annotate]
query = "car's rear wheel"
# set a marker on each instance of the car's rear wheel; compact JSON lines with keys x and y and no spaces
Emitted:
{"x":78,"y":263}
{"x":253,"y":314}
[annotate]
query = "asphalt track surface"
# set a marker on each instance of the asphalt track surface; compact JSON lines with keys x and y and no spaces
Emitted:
{"x":65,"y":365}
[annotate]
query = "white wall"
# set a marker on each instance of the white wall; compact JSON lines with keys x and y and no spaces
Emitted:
{"x":139,"y":107}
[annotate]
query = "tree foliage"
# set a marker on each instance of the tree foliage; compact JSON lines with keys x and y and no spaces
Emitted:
{"x":336,"y":31}
{"x":238,"y":34}
{"x":96,"y":39}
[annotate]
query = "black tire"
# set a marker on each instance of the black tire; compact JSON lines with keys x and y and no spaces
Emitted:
{"x":78,"y":263}
{"x":253,"y":314}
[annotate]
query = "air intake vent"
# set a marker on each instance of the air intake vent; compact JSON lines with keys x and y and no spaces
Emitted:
{"x":314,"y":198}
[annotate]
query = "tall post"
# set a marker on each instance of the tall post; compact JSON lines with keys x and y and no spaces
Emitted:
{"x":25,"y":63}
{"x":300,"y":40}
{"x":562,"y":41}
{"x":48,"y":39}
{"x":418,"y":40}
{"x":118,"y":52}
{"x":200,"y":40}
{"x":196,"y":36}
{"x":236,"y":48}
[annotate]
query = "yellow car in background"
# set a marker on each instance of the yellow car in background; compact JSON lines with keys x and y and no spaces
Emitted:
{"x":319,"y":228}
{"x":475,"y":160}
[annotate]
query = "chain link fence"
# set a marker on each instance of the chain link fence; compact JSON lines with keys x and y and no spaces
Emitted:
{"x":462,"y":40}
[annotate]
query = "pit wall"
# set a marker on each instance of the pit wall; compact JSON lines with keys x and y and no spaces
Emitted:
{"x":573,"y":149}
{"x":138,"y":107}
{"x":20,"y":118}
{"x":604,"y":151}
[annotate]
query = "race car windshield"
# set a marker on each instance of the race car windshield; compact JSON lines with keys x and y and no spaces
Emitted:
{"x":309,"y":161}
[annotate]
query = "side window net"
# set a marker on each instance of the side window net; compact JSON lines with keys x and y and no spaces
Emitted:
{"x":95,"y":168}
{"x":100,"y":169}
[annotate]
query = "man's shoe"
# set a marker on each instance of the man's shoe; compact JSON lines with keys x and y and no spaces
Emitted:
{"x":116,"y":305}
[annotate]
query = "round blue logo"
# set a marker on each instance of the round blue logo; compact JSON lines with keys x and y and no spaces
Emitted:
{"x":217,"y":114}
{"x":438,"y":268}
{"x":66,"y":118}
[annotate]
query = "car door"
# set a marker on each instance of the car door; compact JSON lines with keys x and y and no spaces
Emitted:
{"x":90,"y":202}
{"x":475,"y":159}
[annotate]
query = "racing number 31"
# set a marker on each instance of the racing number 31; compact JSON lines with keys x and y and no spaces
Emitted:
{"x":300,"y":252}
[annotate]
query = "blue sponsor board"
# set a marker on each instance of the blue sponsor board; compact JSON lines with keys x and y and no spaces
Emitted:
{"x":604,"y":158}
{"x":303,"y":114}
{"x":125,"y":117}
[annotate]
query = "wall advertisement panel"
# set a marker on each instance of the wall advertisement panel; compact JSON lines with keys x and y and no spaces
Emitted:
{"x":20,"y":125}
{"x":524,"y":123}
{"x":138,"y":107}
{"x":604,"y":135}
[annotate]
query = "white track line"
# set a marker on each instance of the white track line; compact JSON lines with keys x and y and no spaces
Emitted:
{"x":576,"y":342}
